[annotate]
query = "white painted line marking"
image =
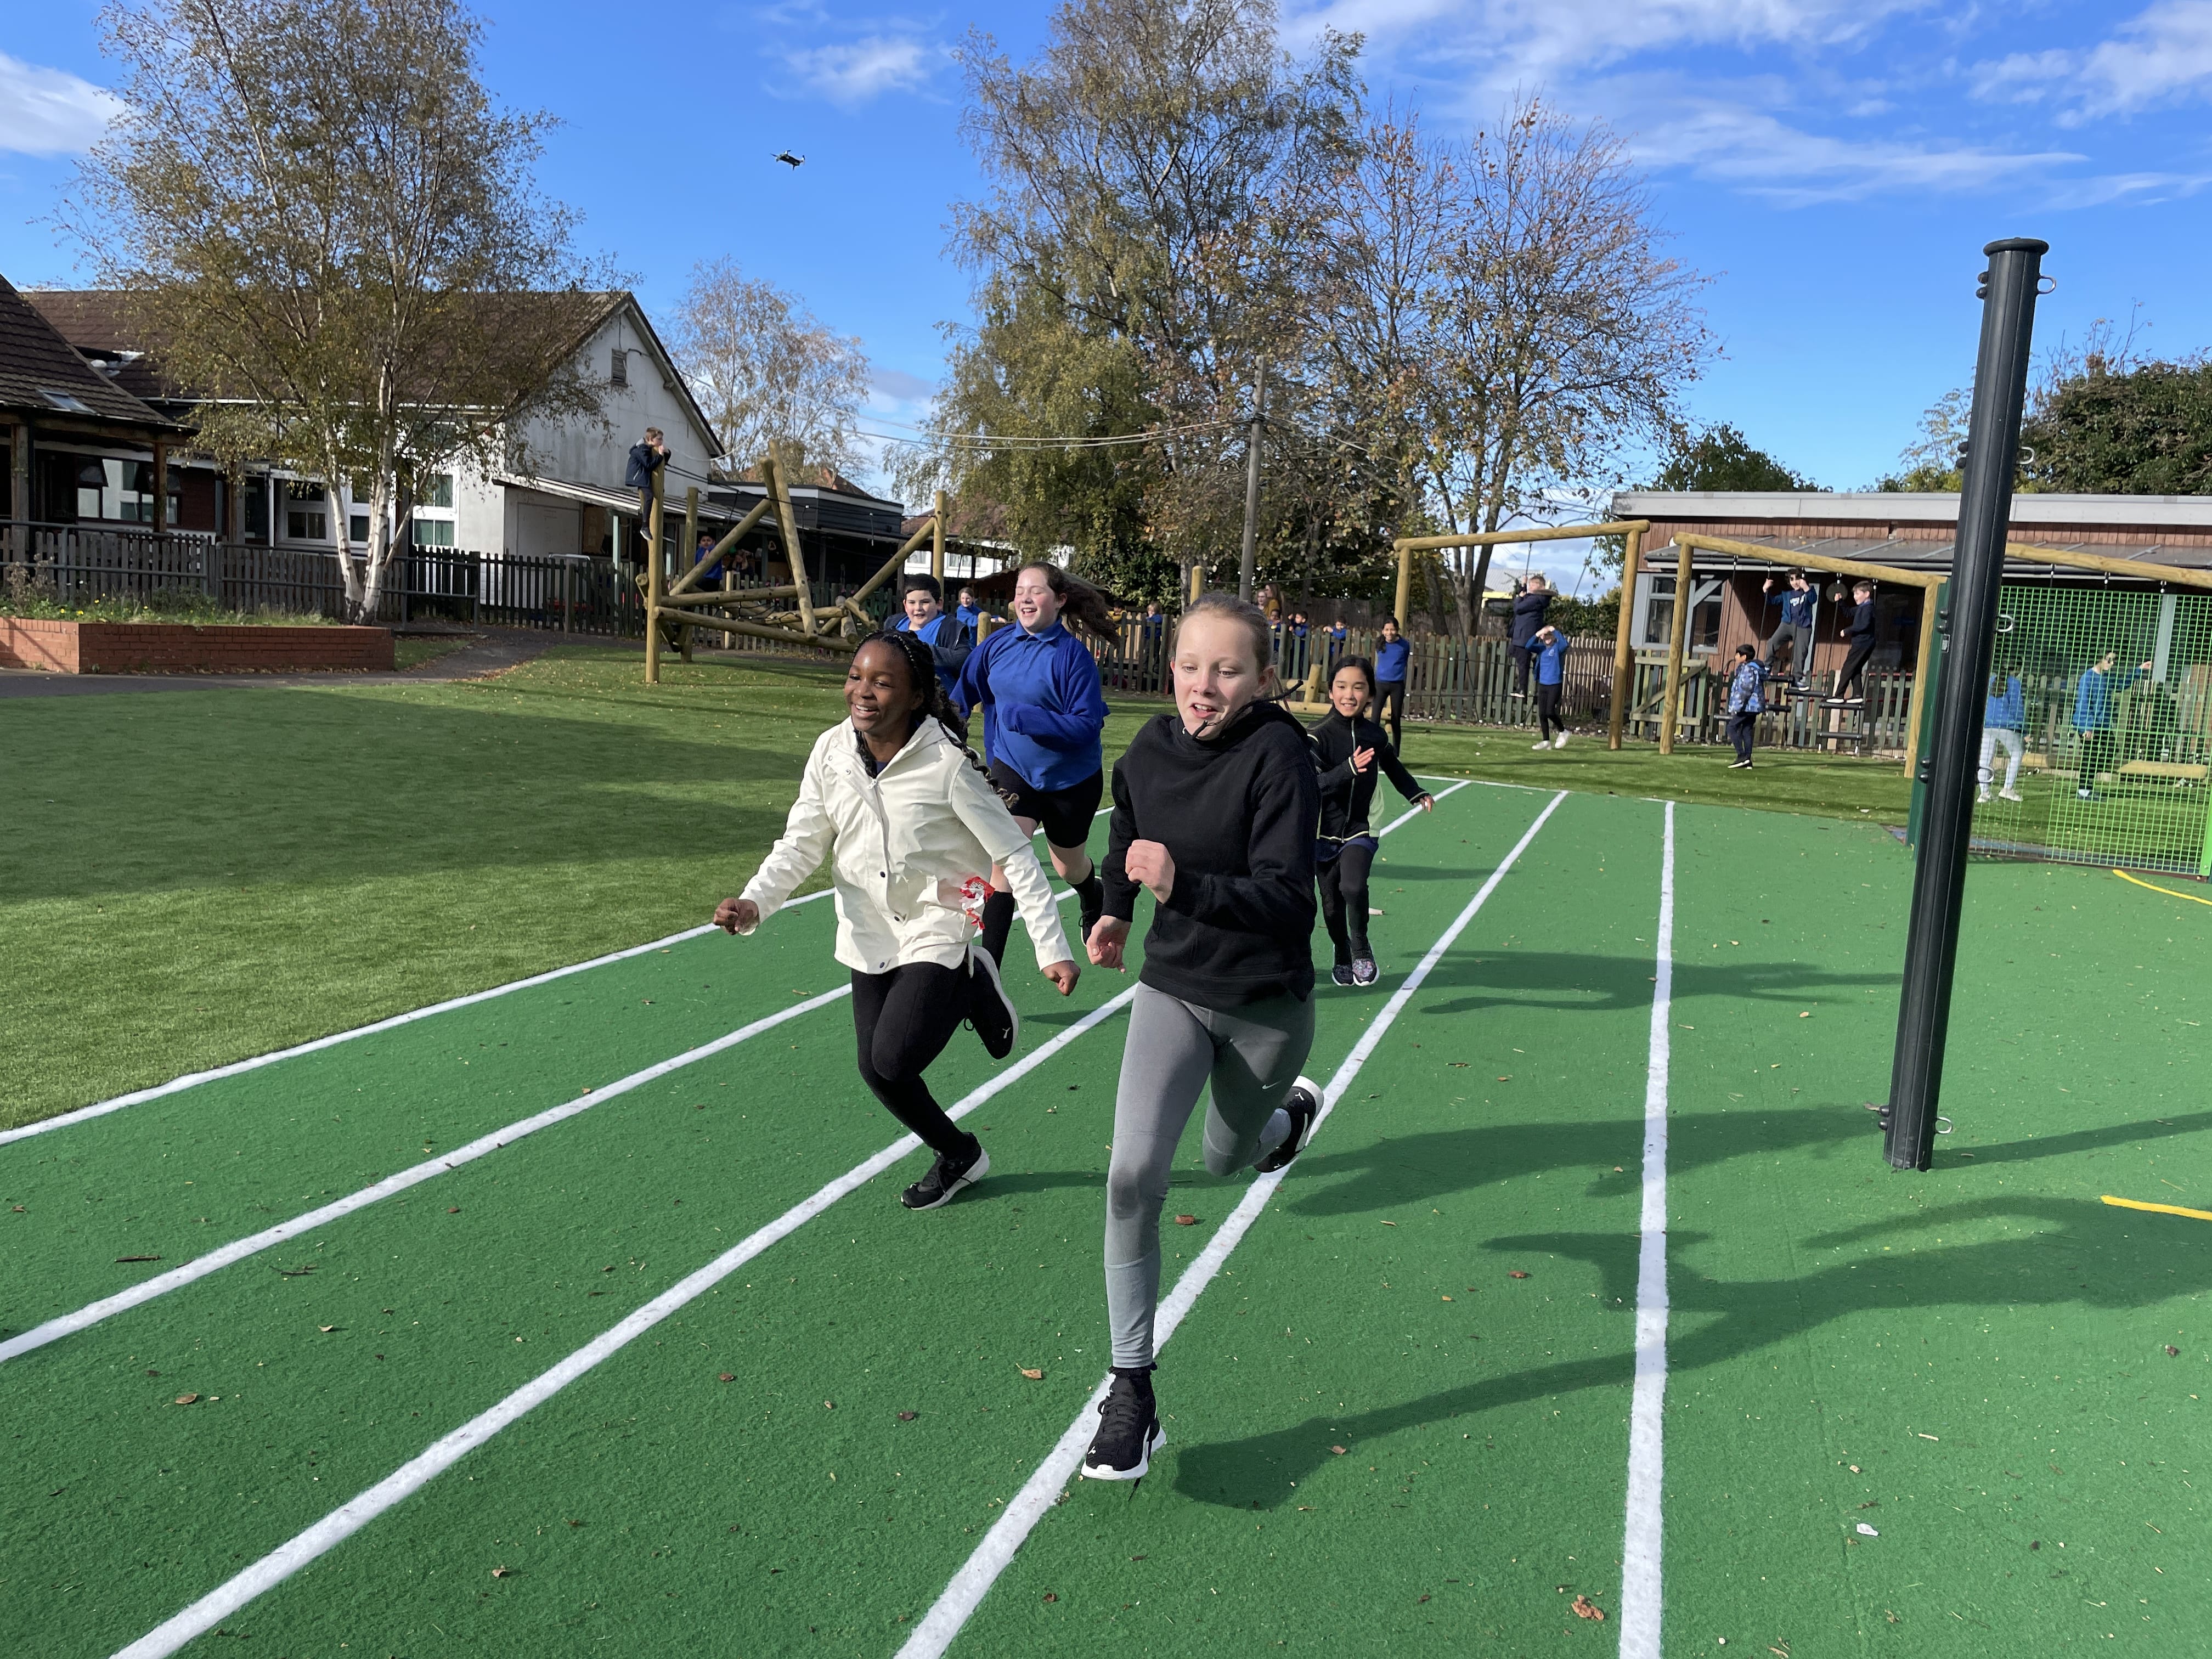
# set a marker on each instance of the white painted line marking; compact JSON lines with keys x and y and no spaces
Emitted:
{"x":341,"y":1523}
{"x":237,"y":1249}
{"x":1487,"y":783}
{"x":1640,"y":1549}
{"x":973,"y":1582}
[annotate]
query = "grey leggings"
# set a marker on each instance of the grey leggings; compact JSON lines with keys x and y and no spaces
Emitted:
{"x":1251,"y":1055}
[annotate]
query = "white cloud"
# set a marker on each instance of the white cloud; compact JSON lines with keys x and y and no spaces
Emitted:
{"x":2161,"y":55}
{"x":50,"y":111}
{"x":855,"y":71}
{"x":898,"y":386}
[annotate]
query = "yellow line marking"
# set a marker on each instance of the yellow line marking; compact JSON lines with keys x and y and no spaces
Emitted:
{"x":2168,"y":892}
{"x":2161,"y":1209}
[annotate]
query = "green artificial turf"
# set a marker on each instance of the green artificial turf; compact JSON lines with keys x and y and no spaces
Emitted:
{"x":1780,"y":779}
{"x":209,"y":877}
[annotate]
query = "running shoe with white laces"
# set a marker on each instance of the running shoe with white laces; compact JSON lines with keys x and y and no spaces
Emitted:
{"x":1128,"y":1430}
{"x":945,"y":1179}
{"x":990,"y":1009}
{"x":1304,"y":1104}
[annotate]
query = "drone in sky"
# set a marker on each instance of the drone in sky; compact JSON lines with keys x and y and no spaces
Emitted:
{"x":789,"y":160}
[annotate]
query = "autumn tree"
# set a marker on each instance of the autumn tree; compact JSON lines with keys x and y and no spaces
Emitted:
{"x":1566,"y":336}
{"x":334,"y":236}
{"x":766,"y":372}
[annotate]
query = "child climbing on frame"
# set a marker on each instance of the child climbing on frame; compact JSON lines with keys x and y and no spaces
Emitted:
{"x":907,"y":815}
{"x":1349,"y":748}
{"x":1215,"y":811}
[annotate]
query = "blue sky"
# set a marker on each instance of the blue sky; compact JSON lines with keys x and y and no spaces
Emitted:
{"x":1834,"y":165}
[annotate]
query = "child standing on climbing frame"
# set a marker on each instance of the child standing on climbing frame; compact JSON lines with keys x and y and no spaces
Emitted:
{"x":1348,"y":749}
{"x":908,"y":815}
{"x":1215,"y":811}
{"x":1044,"y":709}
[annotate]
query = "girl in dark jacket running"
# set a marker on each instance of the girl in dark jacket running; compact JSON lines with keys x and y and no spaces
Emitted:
{"x":1214,"y":811}
{"x":1348,"y":747}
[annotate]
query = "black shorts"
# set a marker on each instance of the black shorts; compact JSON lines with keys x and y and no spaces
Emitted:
{"x":1065,"y":814}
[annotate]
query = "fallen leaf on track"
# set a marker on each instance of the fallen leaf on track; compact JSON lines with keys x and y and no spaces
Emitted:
{"x":1052,"y":1595}
{"x":1033,"y":1375}
{"x":1338,"y":1450}
{"x":729,"y":1376}
{"x":829,"y":1405}
{"x":1186,"y":1221}
{"x":908,"y":1417}
{"x":186,"y":1398}
{"x":501,"y":1572}
{"x":326,"y":1329}
{"x":1586,"y":1608}
{"x":2173,"y":1353}
{"x":1516,"y":1273}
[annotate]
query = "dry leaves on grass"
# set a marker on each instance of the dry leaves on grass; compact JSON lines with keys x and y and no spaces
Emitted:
{"x":1186,"y":1221}
{"x":2173,"y":1353}
{"x":1338,"y":1450}
{"x":1036,"y":1375}
{"x":908,"y":1417}
{"x":501,"y":1572}
{"x":729,"y":1376}
{"x":326,"y":1329}
{"x":187,"y":1399}
{"x":829,"y":1405}
{"x":1515,"y":1273}
{"x":1052,"y":1595}
{"x":1586,"y":1608}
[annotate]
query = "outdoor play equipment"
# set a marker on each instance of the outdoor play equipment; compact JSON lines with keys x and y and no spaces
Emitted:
{"x":683,"y":605}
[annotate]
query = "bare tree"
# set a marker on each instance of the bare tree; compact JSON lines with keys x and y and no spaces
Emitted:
{"x":1565,"y":336}
{"x":336,"y":242}
{"x":767,"y":373}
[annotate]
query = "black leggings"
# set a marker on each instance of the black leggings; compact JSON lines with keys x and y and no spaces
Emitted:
{"x":903,"y":1020}
{"x":1547,"y":710}
{"x":1390,"y":710}
{"x":1343,"y":882}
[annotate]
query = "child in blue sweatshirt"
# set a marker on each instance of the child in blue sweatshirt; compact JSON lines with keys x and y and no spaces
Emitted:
{"x":2092,"y":718}
{"x":1550,"y":648}
{"x":1744,"y":705}
{"x":2005,"y":717}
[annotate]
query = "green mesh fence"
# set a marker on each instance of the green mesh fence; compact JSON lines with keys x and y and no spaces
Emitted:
{"x":2110,"y":696}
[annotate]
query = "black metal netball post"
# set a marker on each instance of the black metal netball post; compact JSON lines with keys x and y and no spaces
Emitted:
{"x":1967,"y":630}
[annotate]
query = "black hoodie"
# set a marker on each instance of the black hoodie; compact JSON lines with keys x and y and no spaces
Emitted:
{"x":1346,"y":795}
{"x":1237,"y":814}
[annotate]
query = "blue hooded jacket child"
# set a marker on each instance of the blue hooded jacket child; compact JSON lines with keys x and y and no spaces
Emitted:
{"x":1042,"y":705}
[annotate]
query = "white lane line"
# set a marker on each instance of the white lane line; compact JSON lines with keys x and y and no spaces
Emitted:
{"x":973,"y":1582}
{"x":1487,"y":783}
{"x":237,"y":1249}
{"x":411,"y":1477}
{"x":1640,"y":1600}
{"x":193,"y":1080}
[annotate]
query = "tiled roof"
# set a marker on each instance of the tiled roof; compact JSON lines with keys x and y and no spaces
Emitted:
{"x":41,"y":373}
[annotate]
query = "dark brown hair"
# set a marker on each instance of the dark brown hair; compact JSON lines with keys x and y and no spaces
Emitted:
{"x":1081,"y":604}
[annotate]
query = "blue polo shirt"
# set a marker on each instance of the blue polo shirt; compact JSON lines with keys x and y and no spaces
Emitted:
{"x":933,"y":632}
{"x":1042,"y":705}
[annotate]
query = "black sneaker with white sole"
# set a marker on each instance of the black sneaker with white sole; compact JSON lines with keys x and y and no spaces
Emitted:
{"x":1304,"y":1104}
{"x":946,"y":1178}
{"x":1342,"y":973}
{"x":990,"y":1009}
{"x":1089,"y":905}
{"x":1363,"y":970}
{"x":1128,"y":1430}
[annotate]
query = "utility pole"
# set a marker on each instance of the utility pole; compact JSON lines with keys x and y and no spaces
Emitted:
{"x":1244,"y":569}
{"x":1968,"y":632}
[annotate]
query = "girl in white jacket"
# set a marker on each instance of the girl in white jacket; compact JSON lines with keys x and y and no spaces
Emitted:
{"x":908,"y":815}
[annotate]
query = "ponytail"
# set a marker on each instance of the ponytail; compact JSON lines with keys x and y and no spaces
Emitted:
{"x":1081,"y":605}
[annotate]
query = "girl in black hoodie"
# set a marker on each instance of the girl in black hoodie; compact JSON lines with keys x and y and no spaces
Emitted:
{"x":1347,"y":748}
{"x":1215,"y":808}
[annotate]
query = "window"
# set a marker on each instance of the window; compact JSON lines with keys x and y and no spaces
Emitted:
{"x":68,"y":404}
{"x":306,"y":526}
{"x":124,"y":490}
{"x":255,"y":492}
{"x":617,"y":370}
{"x":303,"y":490}
{"x":1703,"y":633}
{"x":437,"y":490}
{"x":357,"y":529}
{"x":434,"y":533}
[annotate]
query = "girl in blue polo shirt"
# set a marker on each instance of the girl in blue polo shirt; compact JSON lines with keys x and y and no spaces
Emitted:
{"x":1391,"y":652}
{"x":1043,"y":709}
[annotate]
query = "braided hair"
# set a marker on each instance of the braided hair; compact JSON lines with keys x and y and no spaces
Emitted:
{"x":921,"y":672}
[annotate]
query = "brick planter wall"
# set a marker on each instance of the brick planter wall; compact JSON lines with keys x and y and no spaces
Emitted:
{"x":75,"y":647}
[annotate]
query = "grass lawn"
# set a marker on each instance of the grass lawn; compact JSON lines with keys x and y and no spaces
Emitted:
{"x":201,"y":876}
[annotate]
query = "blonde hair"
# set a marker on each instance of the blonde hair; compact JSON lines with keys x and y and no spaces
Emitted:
{"x":1242,"y":612}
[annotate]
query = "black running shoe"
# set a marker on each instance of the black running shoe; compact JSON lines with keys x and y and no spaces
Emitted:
{"x":1089,"y":905}
{"x":1128,"y":1431}
{"x":1363,"y":970}
{"x":1342,"y":973}
{"x":990,"y":1009}
{"x":1304,"y":1104}
{"x":946,"y":1178}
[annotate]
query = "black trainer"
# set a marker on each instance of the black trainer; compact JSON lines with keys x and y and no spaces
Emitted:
{"x":1304,"y":1104}
{"x":1363,"y":970}
{"x":1089,"y":905}
{"x":946,"y":1178}
{"x":990,"y":1009}
{"x":1342,"y":973}
{"x":1128,"y":1430}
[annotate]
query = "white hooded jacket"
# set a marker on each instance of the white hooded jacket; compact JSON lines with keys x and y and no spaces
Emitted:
{"x":901,"y":844}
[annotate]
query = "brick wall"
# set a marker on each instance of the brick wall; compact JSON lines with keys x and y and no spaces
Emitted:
{"x":74,"y":647}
